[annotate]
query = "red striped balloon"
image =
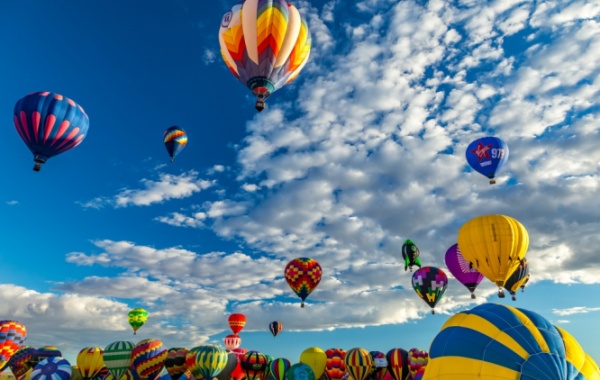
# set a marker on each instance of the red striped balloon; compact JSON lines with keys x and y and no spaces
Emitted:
{"x":398,"y":363}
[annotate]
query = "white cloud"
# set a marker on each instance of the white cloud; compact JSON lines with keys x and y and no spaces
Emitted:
{"x":575,"y":310}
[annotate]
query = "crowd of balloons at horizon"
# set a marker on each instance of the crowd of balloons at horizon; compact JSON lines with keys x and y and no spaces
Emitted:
{"x":265,"y":44}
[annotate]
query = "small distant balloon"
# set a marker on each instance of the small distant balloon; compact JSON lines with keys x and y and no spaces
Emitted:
{"x":303,"y":274}
{"x":430,"y":283}
{"x":487,"y":155}
{"x":236,"y":321}
{"x":275,"y":327}
{"x":175,"y":140}
{"x":410,"y":254}
{"x":137,"y":317}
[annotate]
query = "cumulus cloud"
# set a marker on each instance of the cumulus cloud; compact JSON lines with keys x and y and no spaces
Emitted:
{"x":575,"y":310}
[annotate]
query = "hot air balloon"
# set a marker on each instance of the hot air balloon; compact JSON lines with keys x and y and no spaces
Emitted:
{"x":303,"y":275}
{"x":230,"y":366}
{"x":137,"y":317}
{"x":12,"y":336}
{"x":148,"y":357}
{"x":232,"y":341}
{"x":487,"y":155}
{"x":419,"y":374}
{"x":236,"y":321}
{"x":410,"y":254}
{"x":417,"y":359}
{"x":264,"y":45}
{"x":518,"y":279}
{"x":49,"y":124}
{"x":20,"y":361}
{"x":238,"y":372}
{"x":398,"y":363}
{"x":253,"y":364}
{"x":358,"y":363}
{"x":335,"y":366}
{"x":52,"y":368}
{"x":278,"y":367}
{"x":300,"y":371}
{"x":430,"y":283}
{"x":275,"y":327}
{"x":379,"y":368}
{"x":503,"y":342}
{"x":43,"y":353}
{"x":495,"y":245}
{"x":206,"y":361}
{"x":117,"y":358}
{"x":175,"y":363}
{"x":316,"y":359}
{"x":462,"y":270}
{"x":90,"y":362}
{"x":175,"y":140}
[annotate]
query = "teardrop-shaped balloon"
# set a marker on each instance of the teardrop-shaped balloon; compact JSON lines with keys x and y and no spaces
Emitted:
{"x":303,"y":274}
{"x":462,"y":270}
{"x":236,"y":321}
{"x":137,"y":317}
{"x":148,"y":357}
{"x":487,"y":155}
{"x":430,"y":284}
{"x":176,"y":362}
{"x":12,"y":336}
{"x":117,"y":357}
{"x":254,"y":364}
{"x":175,"y":139}
{"x":49,"y":124}
{"x":90,"y":362}
{"x":278,"y":368}
{"x":398,"y":363}
{"x":358,"y":363}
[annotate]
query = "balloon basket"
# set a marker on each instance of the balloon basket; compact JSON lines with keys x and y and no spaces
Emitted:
{"x":37,"y":167}
{"x":473,"y":296}
{"x":302,"y":304}
{"x":514,"y":298}
{"x":260,"y":105}
{"x":501,"y":294}
{"x":432,"y":311}
{"x":492,"y":181}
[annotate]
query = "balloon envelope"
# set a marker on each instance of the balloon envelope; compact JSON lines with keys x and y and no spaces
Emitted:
{"x":137,"y":317}
{"x":232,"y":362}
{"x":278,"y":368}
{"x":410,"y":254}
{"x":303,"y":274}
{"x":20,"y":361}
{"x":175,"y":363}
{"x":335,"y":366}
{"x":462,"y":270}
{"x":175,"y":139}
{"x":316,"y":359}
{"x":487,"y":155}
{"x":275,"y":327}
{"x":52,"y":368}
{"x":148,"y":357}
{"x":398,"y":363}
{"x":300,"y":371}
{"x":254,"y":364}
{"x":12,"y":336}
{"x":236,"y":321}
{"x":117,"y":357}
{"x":49,"y":124}
{"x":264,"y":44}
{"x":90,"y":362}
{"x":358,"y":363}
{"x":430,"y":283}
{"x":503,"y":342}
{"x":494,"y":244}
{"x":206,"y":361}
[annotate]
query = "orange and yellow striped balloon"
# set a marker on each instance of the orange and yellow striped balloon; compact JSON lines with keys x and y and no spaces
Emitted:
{"x":90,"y":361}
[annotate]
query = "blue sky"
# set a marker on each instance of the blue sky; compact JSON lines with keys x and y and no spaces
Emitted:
{"x":364,"y":150}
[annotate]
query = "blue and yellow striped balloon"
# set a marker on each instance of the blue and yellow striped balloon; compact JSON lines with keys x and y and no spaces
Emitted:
{"x":206,"y":361}
{"x":493,"y":341}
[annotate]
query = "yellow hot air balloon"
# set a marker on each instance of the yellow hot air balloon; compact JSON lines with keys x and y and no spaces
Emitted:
{"x":316,"y":359}
{"x":495,"y":245}
{"x":90,"y":361}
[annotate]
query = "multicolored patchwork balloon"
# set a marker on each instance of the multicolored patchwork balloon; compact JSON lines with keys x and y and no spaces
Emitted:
{"x":176,"y":362}
{"x":303,"y":274}
{"x":148,"y":357}
{"x":12,"y":336}
{"x":265,"y":44}
{"x":358,"y":363}
{"x":487,"y":156}
{"x":175,"y":139}
{"x":335,"y":366}
{"x":90,"y":361}
{"x":137,"y":317}
{"x":430,"y":283}
{"x":462,"y":270}
{"x":117,"y":357}
{"x":206,"y":361}
{"x":49,"y":124}
{"x":52,"y":368}
{"x":20,"y":361}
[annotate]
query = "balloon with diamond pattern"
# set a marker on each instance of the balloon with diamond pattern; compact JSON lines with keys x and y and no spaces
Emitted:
{"x":303,"y":274}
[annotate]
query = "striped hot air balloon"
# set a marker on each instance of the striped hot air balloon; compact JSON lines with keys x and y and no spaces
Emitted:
{"x":90,"y":361}
{"x":416,"y":359}
{"x":52,"y":368}
{"x":358,"y":363}
{"x":278,"y":367}
{"x":232,"y":341}
{"x":148,"y":358}
{"x":275,"y":327}
{"x":206,"y":361}
{"x":503,"y":342}
{"x":397,"y":359}
{"x":49,"y":124}
{"x":253,"y":364}
{"x":303,"y":274}
{"x":12,"y":336}
{"x":117,"y":358}
{"x":265,"y":44}
{"x":175,"y":363}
